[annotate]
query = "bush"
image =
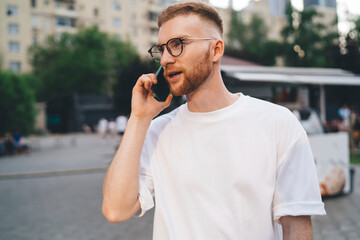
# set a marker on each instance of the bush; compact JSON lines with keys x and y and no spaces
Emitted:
{"x":17,"y":104}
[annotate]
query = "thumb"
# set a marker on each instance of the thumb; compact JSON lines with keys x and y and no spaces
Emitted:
{"x":168,"y":101}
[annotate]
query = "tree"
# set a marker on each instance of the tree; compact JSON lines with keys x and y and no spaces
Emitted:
{"x":85,"y":62}
{"x":350,"y":57}
{"x":17,"y":103}
{"x":249,"y":41}
{"x":306,"y":43}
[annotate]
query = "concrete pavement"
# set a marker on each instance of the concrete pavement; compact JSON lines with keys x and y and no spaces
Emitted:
{"x":342,"y":221}
{"x":55,"y":193}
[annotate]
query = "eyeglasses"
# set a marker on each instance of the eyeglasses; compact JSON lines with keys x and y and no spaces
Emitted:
{"x":174,"y":46}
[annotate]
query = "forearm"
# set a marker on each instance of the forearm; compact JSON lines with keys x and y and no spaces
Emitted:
{"x":121,"y":184}
{"x":296,"y":227}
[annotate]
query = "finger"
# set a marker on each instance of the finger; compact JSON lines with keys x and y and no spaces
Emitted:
{"x":168,"y":100}
{"x":152,"y":77}
{"x":145,"y":81}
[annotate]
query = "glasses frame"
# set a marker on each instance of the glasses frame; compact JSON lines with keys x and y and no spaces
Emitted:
{"x":181,"y":40}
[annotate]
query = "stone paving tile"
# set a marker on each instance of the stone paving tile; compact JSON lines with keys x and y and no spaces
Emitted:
{"x":69,"y":207}
{"x":342,"y":221}
{"x":89,"y":152}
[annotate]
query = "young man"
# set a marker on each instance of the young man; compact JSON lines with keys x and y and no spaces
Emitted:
{"x":221,"y":166}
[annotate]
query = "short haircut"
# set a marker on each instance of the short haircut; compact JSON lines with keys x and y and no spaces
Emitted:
{"x":200,"y":9}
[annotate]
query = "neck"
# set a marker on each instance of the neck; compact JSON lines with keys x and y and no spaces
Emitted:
{"x":211,"y":96}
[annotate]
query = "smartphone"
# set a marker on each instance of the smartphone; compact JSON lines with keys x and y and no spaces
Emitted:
{"x":161,"y":89}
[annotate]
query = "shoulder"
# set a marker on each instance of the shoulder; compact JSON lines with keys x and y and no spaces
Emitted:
{"x":274,"y":116}
{"x":160,"y":122}
{"x":269,"y":110}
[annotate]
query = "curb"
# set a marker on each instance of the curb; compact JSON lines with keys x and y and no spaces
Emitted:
{"x":51,"y":173}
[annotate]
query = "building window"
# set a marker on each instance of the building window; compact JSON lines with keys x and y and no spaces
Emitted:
{"x":47,"y":23}
{"x":15,"y":66}
{"x":35,"y":40}
{"x":61,"y":21}
{"x":34,"y":21}
{"x":116,"y":5}
{"x":33,"y":3}
{"x":71,"y":6}
{"x":14,"y":47}
{"x":72,"y":22}
{"x":66,"y":22}
{"x":117,"y":22}
{"x":12,"y":10}
{"x":13,"y":29}
{"x":46,"y":2}
{"x":96,"y":12}
{"x":152,"y":16}
{"x":58,"y":4}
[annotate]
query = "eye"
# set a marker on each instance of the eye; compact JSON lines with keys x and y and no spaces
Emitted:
{"x":174,"y":43}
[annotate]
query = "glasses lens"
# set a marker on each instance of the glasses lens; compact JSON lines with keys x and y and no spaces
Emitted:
{"x":156,"y":52}
{"x":175,"y":47}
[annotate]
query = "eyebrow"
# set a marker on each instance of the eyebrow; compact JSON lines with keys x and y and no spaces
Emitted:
{"x":181,"y":36}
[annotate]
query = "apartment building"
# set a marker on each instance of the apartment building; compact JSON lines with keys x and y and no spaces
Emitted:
{"x":328,"y":9}
{"x":15,"y":34}
{"x":320,"y":3}
{"x":24,"y":23}
{"x":278,"y":7}
{"x":262,"y":8}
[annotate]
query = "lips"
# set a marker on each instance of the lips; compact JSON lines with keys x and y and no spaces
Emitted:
{"x":173,"y":73}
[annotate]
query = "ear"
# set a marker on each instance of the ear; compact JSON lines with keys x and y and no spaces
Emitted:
{"x":218,"y":51}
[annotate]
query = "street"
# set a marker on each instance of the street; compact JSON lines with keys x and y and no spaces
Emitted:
{"x":55,"y":193}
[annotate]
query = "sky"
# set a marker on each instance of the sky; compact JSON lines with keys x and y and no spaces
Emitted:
{"x":353,"y":6}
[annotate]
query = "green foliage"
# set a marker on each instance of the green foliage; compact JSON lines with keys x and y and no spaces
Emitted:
{"x":86,"y":62}
{"x":355,"y":159}
{"x":249,"y":41}
{"x":350,"y":60}
{"x":237,"y":29}
{"x":306,"y":43}
{"x":17,"y":103}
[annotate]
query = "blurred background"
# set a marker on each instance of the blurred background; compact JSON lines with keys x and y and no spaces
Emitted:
{"x":67,"y":68}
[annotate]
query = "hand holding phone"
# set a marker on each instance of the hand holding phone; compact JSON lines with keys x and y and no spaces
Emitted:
{"x":161,"y":89}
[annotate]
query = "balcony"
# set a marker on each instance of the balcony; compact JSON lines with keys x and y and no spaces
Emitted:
{"x":65,"y":8}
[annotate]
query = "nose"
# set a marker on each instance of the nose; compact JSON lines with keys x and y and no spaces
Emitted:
{"x":166,"y":58}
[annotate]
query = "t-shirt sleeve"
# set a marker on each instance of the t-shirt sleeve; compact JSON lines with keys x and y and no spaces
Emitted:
{"x":297,"y":186}
{"x":146,"y":183}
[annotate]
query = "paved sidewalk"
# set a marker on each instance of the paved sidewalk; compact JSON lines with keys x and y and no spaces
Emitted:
{"x":61,"y":152}
{"x":342,"y":221}
{"x":55,"y":193}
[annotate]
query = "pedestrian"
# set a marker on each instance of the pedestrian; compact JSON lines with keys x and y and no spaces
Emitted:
{"x":222,"y":165}
{"x":121,"y":122}
{"x":112,"y":128}
{"x":357,"y":131}
{"x":2,"y":145}
{"x":103,"y":128}
{"x":344,"y":112}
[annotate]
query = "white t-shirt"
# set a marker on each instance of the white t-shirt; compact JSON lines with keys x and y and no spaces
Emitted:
{"x":227,"y":174}
{"x":121,"y":122}
{"x":112,"y":126}
{"x":103,"y":125}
